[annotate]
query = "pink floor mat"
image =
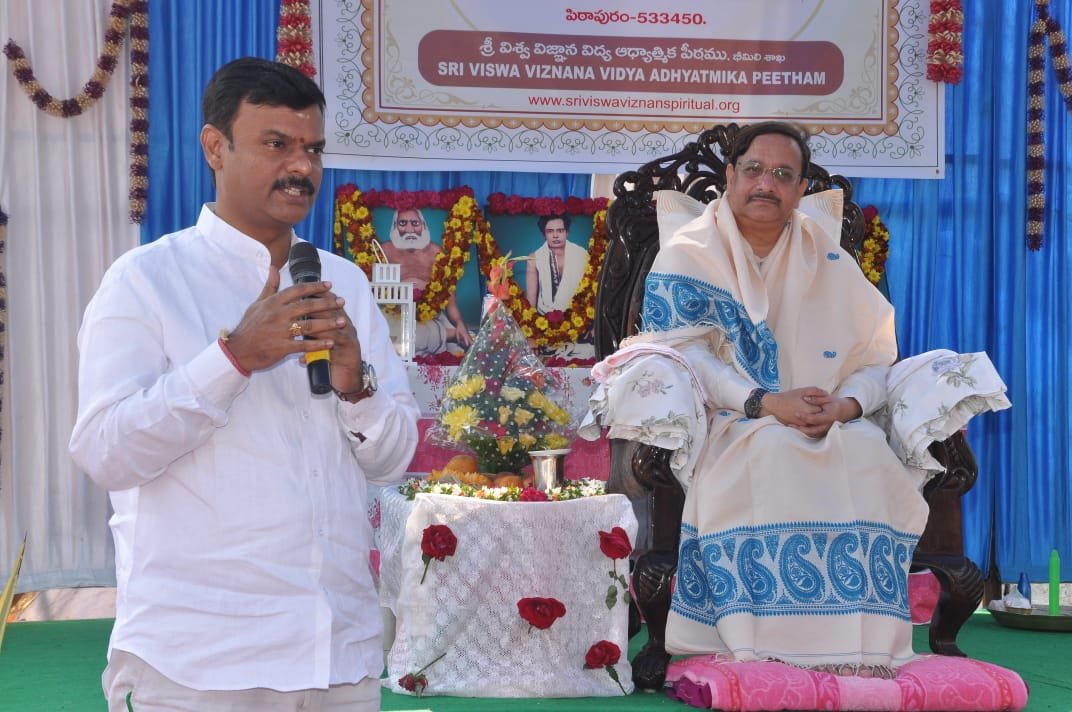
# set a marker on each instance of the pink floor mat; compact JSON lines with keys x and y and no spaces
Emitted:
{"x":931,"y":682}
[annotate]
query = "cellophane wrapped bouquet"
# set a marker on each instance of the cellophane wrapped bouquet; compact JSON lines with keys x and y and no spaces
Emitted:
{"x":503,"y":401}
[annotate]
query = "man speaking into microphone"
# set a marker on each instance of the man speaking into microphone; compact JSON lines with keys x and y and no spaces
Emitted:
{"x":239,"y":482}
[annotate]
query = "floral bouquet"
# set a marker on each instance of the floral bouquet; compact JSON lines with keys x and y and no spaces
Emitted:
{"x":503,"y":401}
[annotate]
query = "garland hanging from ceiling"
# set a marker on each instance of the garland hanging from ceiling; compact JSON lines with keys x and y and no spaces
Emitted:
{"x":945,"y":42}
{"x":294,"y":38}
{"x":123,"y":12}
{"x":1044,"y":28}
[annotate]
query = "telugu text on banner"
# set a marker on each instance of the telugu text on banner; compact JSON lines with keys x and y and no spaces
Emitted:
{"x":544,"y":86}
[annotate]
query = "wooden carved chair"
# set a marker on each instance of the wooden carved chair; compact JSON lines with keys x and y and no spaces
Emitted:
{"x":642,"y":471}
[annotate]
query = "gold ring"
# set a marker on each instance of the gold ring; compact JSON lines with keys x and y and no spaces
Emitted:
{"x":295,"y":329}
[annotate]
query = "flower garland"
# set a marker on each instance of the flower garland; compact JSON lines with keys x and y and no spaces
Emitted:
{"x":553,"y":328}
{"x":465,"y":225}
{"x":122,"y":11}
{"x":569,"y":490}
{"x":945,"y":42}
{"x":354,"y":234}
{"x":294,"y":39}
{"x":1043,"y":29}
{"x":876,"y":245}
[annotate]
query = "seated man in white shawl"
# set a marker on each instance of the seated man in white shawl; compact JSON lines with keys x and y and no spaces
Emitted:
{"x":799,"y":521}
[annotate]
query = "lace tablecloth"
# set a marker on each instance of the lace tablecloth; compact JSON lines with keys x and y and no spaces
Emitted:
{"x":467,"y":605}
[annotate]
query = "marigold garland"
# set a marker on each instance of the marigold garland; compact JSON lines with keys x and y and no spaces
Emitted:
{"x":134,"y":12}
{"x":354,"y":234}
{"x":466,"y":225}
{"x":555,"y":328}
{"x":945,"y":42}
{"x":1043,"y":29}
{"x":294,"y":39}
{"x":876,"y":246}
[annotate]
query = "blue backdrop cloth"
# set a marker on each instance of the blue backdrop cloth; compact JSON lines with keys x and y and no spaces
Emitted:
{"x":959,"y":273}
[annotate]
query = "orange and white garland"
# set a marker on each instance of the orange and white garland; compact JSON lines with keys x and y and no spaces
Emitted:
{"x":136,"y":13}
{"x":465,"y":226}
{"x":294,"y":37}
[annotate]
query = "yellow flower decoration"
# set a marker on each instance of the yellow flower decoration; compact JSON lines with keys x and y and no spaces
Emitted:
{"x":467,"y":388}
{"x":554,"y":441}
{"x":460,"y":420}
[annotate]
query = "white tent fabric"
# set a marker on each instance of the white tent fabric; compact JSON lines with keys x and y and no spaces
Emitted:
{"x":63,"y":185}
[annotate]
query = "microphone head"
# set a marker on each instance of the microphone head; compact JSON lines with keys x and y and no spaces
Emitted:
{"x":304,"y":263}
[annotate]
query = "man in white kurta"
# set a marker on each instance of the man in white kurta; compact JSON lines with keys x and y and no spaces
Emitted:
{"x":799,"y":522}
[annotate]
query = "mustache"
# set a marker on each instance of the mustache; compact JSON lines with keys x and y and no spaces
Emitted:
{"x":303,"y":184}
{"x":765,"y":196}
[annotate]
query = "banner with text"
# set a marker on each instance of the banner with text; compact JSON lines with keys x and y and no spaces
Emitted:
{"x":543,"y":86}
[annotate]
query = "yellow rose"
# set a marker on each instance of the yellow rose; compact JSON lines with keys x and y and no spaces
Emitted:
{"x":522,"y":417}
{"x":511,"y":393}
{"x":505,"y":444}
{"x":527,"y":440}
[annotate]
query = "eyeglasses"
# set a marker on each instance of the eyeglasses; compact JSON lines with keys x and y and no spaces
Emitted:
{"x":754,"y":170}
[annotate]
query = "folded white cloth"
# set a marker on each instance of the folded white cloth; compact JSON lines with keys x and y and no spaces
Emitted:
{"x":935,"y":394}
{"x":649,"y":394}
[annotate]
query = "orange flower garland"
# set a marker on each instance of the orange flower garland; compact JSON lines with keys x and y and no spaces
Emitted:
{"x":464,"y":226}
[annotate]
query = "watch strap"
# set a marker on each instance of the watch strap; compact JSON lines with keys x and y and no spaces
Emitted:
{"x":754,"y":403}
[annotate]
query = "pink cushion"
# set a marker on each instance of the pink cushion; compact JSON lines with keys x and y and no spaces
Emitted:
{"x":923,"y":593}
{"x":930,"y":682}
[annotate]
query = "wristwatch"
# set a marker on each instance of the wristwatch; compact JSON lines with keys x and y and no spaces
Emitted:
{"x":368,"y":385}
{"x":754,"y":403}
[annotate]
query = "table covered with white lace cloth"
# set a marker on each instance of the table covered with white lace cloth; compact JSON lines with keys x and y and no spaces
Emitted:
{"x":466,"y":609}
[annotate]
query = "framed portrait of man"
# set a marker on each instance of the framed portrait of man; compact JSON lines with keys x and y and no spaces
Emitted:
{"x":410,"y":229}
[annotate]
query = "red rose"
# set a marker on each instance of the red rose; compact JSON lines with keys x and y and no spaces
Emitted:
{"x":870,"y":212}
{"x":413,"y":683}
{"x":615,"y":543}
{"x":605,"y":654}
{"x":602,"y":654}
{"x":531,"y":494}
{"x":438,"y":542}
{"x":541,"y":612}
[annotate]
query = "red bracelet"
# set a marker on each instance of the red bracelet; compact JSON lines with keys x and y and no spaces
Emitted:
{"x":222,"y":341}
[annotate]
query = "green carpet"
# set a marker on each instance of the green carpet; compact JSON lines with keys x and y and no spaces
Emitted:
{"x":56,"y":666}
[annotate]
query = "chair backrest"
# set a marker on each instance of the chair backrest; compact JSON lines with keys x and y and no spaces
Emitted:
{"x":699,"y":171}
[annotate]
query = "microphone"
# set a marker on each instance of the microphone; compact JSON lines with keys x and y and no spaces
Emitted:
{"x":304,"y":268}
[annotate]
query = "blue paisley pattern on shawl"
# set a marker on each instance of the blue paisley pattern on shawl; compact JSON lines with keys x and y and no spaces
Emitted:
{"x":672,"y":301}
{"x":794,"y":569}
